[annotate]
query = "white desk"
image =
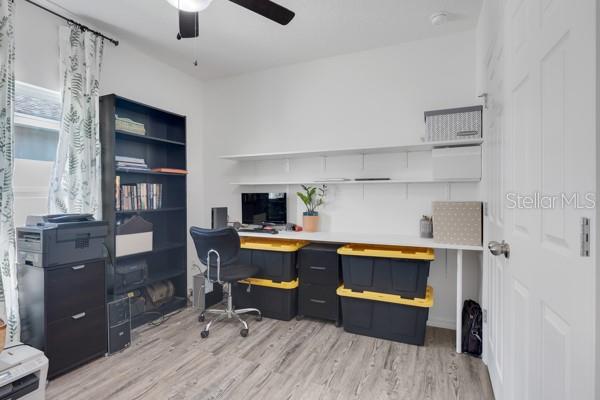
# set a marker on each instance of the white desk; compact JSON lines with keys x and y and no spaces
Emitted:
{"x":390,"y":240}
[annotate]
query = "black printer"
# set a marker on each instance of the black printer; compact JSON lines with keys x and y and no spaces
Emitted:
{"x":49,"y":240}
{"x":61,"y":266}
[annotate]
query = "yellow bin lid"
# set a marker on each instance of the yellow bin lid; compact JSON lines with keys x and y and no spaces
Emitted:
{"x":269,"y":283}
{"x":268,"y":244}
{"x":427,"y":302}
{"x":370,"y":250}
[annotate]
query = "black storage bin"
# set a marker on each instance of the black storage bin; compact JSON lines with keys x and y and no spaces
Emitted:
{"x":274,"y":300}
{"x":276,"y":258}
{"x":386,"y":316}
{"x":401,"y":271}
{"x":130,"y":272}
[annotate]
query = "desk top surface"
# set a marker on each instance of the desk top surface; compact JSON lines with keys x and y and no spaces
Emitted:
{"x":364,"y":238}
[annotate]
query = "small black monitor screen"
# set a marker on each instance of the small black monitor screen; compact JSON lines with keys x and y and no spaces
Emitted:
{"x":260,"y":208}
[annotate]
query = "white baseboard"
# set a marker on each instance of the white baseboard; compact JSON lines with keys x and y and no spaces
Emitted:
{"x":442,"y":323}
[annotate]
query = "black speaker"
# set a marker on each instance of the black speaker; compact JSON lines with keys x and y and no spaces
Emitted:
{"x":119,"y":324}
{"x":218,"y":217}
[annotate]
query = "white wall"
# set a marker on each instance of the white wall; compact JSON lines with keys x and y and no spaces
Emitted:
{"x":126,"y":72}
{"x":371,"y":98}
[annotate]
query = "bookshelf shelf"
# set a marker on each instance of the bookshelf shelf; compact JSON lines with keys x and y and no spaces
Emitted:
{"x":146,"y":138}
{"x":157,"y":210}
{"x":164,"y":145}
{"x":141,"y":172}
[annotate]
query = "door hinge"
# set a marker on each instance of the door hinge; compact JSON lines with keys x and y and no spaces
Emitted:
{"x":484,"y":316}
{"x":585,"y":237}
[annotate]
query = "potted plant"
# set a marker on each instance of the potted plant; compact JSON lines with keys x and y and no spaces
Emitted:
{"x":313,"y":198}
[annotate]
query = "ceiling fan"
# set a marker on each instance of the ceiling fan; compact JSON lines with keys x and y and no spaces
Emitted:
{"x":189,"y":9}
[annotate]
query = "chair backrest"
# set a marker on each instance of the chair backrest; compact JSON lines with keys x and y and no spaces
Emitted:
{"x":225,"y":241}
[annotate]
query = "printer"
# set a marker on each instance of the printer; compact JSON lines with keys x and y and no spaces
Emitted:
{"x":50,"y":240}
{"x":23,"y":372}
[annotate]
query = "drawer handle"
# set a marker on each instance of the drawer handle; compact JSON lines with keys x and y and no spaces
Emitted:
{"x":318,"y":301}
{"x":78,"y":267}
{"x":467,"y":133}
{"x":318,"y":268}
{"x":78,"y":316}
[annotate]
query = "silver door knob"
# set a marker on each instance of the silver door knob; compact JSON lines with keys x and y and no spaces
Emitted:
{"x":498,"y":248}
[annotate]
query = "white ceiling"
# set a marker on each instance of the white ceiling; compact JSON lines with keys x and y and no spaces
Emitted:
{"x":234,"y":40}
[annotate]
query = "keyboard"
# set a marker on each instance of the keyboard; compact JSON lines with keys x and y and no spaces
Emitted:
{"x":259,"y":230}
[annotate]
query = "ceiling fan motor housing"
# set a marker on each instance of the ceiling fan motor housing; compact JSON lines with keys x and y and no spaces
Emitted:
{"x":188,"y":24}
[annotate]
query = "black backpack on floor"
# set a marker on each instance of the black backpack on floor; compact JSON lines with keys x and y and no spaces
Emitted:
{"x":471,"y":328}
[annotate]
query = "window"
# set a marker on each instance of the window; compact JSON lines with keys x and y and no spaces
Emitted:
{"x":37,"y":121}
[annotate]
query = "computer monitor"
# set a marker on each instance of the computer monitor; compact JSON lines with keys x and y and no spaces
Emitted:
{"x":264,"y":208}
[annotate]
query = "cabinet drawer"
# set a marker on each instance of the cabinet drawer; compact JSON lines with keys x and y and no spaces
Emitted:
{"x":74,"y":288}
{"x":320,"y":264}
{"x":76,"y":339}
{"x":318,"y":301}
{"x":320,"y":273}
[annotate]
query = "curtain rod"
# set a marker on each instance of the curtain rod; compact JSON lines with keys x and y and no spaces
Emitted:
{"x":81,"y":26}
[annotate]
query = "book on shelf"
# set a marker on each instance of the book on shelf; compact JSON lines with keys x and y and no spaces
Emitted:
{"x":138,"y":196}
{"x":171,"y":170}
{"x":133,"y":163}
{"x":118,"y":192}
{"x":133,"y":160}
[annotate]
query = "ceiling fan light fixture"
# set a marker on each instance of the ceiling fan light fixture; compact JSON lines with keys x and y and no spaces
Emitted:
{"x":190,"y":5}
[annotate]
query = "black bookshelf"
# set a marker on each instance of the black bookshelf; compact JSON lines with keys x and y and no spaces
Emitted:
{"x":163,"y":146}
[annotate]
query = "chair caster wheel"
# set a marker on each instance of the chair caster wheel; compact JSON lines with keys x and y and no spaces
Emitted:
{"x":204,"y":334}
{"x":201,"y":318}
{"x":259,"y":318}
{"x":244,"y":332}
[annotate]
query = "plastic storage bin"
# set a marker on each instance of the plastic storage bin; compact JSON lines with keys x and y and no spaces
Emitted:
{"x":276,"y":258}
{"x":386,"y":316}
{"x":274,"y":300}
{"x":402,"y":271}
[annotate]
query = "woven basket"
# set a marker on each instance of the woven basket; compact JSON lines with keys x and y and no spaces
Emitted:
{"x":2,"y":334}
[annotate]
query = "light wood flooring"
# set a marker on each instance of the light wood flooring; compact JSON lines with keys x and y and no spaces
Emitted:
{"x":304,"y":359}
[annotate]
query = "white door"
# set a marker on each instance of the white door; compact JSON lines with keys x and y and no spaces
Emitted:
{"x":539,"y":153}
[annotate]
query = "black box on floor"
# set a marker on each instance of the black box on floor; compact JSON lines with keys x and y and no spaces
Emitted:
{"x":401,"y":271}
{"x":386,"y":316}
{"x":119,"y":324}
{"x":274,"y":300}
{"x":276,"y":258}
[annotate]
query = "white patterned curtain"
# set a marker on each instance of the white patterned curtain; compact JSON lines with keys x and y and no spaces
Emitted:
{"x":7,"y":223}
{"x":75,"y":183}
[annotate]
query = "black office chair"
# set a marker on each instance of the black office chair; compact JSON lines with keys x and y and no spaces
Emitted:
{"x":218,"y":249}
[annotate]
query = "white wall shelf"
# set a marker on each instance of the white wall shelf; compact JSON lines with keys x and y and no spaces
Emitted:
{"x":324,"y":182}
{"x":357,"y":150}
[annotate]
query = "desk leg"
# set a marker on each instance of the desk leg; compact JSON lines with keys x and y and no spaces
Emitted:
{"x":459,"y":299}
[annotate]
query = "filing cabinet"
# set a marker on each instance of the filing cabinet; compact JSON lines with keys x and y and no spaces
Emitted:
{"x":63,"y":312}
{"x":320,"y":276}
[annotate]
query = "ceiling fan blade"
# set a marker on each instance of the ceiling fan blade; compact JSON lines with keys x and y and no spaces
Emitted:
{"x":268,"y":9}
{"x":188,"y":24}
